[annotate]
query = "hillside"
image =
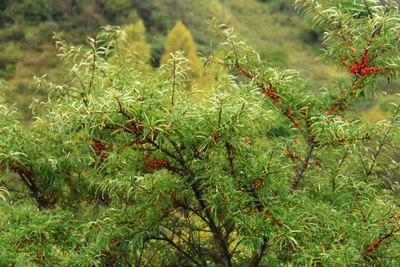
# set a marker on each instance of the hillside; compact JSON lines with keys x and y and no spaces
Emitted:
{"x":26,"y":29}
{"x":273,"y":28}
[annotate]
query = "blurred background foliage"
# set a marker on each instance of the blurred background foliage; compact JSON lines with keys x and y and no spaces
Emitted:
{"x":272,"y":27}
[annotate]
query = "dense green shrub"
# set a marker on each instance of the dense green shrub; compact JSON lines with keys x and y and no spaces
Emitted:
{"x":128,"y":167}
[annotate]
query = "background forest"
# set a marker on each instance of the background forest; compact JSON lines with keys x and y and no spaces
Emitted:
{"x":272,"y":27}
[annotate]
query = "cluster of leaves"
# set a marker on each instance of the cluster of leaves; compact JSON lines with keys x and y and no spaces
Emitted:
{"x":128,"y":166}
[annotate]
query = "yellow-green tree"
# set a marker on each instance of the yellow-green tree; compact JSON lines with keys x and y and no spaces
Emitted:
{"x":136,"y":39}
{"x":180,"y":39}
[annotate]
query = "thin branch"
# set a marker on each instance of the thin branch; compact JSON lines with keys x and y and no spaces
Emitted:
{"x":173,"y":244}
{"x":173,"y":83}
{"x":79,"y":79}
{"x":362,"y":160}
{"x":377,"y":243}
{"x":387,"y":171}
{"x":256,"y":259}
{"x":220,"y":114}
{"x":194,"y":242}
{"x":368,"y":9}
{"x":304,"y":164}
{"x":138,"y":260}
{"x":380,"y":146}
{"x":194,"y":211}
{"x":168,"y":153}
{"x":230,"y":157}
{"x":315,"y":10}
{"x":270,"y":159}
{"x":360,"y":208}
{"x":186,"y":172}
{"x":217,"y":233}
{"x":121,"y":108}
{"x":192,"y":245}
{"x":94,"y":48}
{"x":338,"y":168}
{"x":269,"y":90}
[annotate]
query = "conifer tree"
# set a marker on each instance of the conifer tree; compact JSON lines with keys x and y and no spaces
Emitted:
{"x":180,"y":39}
{"x":136,"y":39}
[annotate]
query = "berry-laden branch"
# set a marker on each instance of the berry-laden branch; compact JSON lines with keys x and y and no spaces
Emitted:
{"x":269,"y":90}
{"x":371,"y":248}
{"x":362,"y":66}
{"x":100,"y":149}
{"x":43,"y":201}
{"x":137,"y":130}
{"x":358,"y":57}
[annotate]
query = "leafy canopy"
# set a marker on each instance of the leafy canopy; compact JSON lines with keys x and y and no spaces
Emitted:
{"x":126,"y":166}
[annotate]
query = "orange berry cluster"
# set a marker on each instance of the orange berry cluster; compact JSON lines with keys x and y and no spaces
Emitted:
{"x":291,"y":155}
{"x":330,"y":112}
{"x":289,"y":114}
{"x":99,"y":148}
{"x":318,"y":163}
{"x":270,"y":92}
{"x":374,"y":246}
{"x":21,"y":169}
{"x":214,"y":138}
{"x":267,"y":214}
{"x":340,"y":105}
{"x":288,"y":111}
{"x":135,"y":127}
{"x":154,"y":164}
{"x":256,"y":182}
{"x":361,"y":66}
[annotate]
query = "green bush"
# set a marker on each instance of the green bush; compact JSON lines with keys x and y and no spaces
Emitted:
{"x":130,"y":168}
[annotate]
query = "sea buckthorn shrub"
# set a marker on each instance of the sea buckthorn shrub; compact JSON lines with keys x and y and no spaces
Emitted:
{"x":130,"y":167}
